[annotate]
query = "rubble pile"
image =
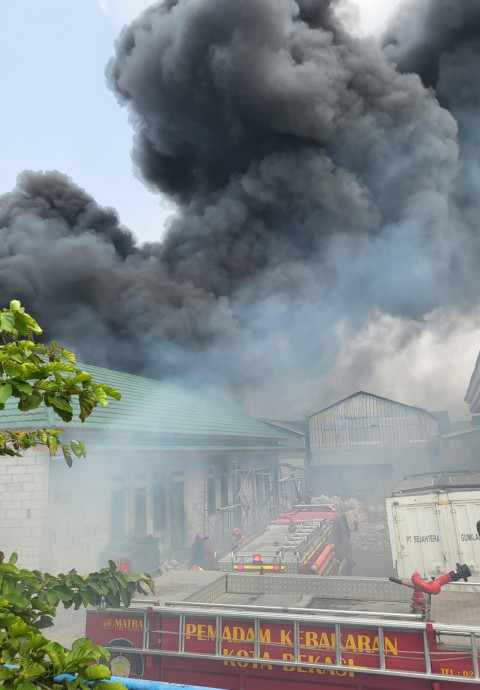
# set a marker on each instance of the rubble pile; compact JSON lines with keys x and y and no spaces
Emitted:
{"x":372,"y":533}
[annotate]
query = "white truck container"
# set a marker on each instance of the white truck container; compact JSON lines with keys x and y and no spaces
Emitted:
{"x":432,"y":523}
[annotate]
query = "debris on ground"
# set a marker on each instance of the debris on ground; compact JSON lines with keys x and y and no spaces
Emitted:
{"x":372,"y":533}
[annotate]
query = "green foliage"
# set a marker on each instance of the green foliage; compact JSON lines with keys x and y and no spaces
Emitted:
{"x":28,"y":603}
{"x":36,"y":374}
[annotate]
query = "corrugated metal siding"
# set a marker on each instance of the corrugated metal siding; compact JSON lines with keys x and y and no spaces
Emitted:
{"x":365,"y":421}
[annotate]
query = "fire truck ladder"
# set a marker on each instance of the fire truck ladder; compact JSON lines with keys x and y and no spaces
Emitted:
{"x":308,"y":537}
{"x":287,"y":549}
{"x":341,"y":624}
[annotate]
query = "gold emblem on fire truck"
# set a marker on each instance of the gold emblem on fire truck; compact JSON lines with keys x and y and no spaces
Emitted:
{"x":120,"y":666}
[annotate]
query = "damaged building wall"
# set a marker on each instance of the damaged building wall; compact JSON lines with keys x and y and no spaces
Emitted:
{"x":246,"y":493}
{"x":159,"y":502}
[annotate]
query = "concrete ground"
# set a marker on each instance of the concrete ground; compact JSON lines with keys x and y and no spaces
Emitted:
{"x":372,"y":563}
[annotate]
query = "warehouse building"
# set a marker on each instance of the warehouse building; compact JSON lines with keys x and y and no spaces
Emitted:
{"x":364,"y":444}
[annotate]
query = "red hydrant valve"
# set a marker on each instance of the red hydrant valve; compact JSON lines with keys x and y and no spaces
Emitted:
{"x":419,"y":586}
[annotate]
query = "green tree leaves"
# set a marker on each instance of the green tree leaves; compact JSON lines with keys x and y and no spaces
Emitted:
{"x":28,"y":603}
{"x":36,"y":374}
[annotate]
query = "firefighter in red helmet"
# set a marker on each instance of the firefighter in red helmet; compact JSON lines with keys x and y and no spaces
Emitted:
{"x":239,"y":538}
{"x":202,"y":554}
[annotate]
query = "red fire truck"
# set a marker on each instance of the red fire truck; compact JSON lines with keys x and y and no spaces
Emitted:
{"x":253,"y":631}
{"x":312,"y":539}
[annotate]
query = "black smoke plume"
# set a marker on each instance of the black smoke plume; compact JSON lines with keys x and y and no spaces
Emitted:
{"x":427,"y":35}
{"x":317,"y":193}
{"x":440,"y":41}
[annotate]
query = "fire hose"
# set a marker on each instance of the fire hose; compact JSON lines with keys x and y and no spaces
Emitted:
{"x":320,"y":565}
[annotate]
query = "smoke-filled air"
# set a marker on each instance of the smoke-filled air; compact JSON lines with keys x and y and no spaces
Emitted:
{"x":327,"y":189}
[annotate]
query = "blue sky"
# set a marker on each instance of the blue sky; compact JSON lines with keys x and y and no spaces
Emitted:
{"x":57,"y":112}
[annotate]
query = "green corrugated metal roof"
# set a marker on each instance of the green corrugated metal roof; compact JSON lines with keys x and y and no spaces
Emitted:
{"x":150,"y":406}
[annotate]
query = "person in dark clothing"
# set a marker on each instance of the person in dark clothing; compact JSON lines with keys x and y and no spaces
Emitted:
{"x":202,"y":553}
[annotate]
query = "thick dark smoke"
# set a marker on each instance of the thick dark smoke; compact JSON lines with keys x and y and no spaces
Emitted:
{"x":77,"y":269}
{"x":54,"y":197}
{"x":440,"y":41}
{"x":318,"y":199}
{"x":427,"y":34}
{"x":247,"y":118}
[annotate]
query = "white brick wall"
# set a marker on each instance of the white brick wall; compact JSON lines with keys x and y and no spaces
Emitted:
{"x":79,"y":515}
{"x":55,"y":517}
{"x":23,"y":505}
